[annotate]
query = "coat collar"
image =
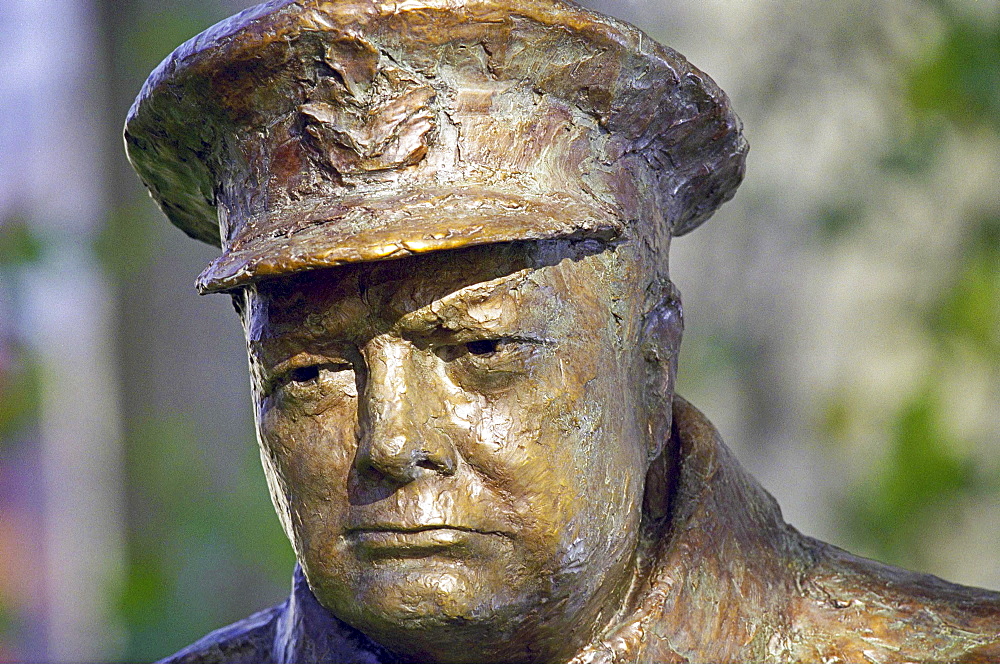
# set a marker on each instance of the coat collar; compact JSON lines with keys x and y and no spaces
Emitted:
{"x":723,"y":563}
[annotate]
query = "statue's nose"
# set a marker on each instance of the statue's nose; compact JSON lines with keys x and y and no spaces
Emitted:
{"x":403,"y":420}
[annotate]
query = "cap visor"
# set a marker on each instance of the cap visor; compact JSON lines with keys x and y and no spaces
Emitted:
{"x":367,"y":229}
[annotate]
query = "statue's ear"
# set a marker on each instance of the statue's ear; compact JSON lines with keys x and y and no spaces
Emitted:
{"x":662,"y":329}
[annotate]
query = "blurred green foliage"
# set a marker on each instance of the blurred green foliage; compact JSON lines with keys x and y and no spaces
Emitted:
{"x":201,"y":542}
{"x":19,"y":372}
{"x":18,"y":244}
{"x":836,"y":221}
{"x":19,"y":391}
{"x":953,"y":87}
{"x":922,"y":472}
{"x":125,"y":244}
{"x":959,"y":79}
{"x":969,"y":312}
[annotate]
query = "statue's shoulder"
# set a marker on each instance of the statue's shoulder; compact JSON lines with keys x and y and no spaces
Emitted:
{"x":730,"y":558}
{"x":859,"y":609}
{"x":249,"y":641}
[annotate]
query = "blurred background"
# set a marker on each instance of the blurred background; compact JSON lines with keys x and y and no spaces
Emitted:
{"x":843,"y":312}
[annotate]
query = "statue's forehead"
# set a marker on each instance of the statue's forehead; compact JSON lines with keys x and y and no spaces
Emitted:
{"x":463,"y":296}
{"x":420,"y":302}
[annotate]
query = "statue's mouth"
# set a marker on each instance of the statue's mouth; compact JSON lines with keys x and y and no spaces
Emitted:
{"x":415,"y":540}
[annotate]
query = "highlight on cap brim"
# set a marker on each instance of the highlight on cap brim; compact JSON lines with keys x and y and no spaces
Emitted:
{"x":401,"y":226}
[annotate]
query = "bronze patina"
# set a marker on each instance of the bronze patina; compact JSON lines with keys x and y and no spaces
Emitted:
{"x":445,"y":227}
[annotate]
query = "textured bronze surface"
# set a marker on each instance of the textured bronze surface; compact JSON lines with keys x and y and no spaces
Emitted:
{"x":445,"y":226}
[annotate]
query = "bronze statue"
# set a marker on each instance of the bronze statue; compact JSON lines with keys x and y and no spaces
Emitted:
{"x":445,"y":224}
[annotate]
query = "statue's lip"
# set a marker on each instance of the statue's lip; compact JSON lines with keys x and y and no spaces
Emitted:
{"x":397,"y":542}
{"x":362,"y":530}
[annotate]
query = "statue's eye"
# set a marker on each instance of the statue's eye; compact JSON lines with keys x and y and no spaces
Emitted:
{"x":304,"y":374}
{"x":491,"y":365}
{"x":310,"y":376}
{"x":483,"y":347}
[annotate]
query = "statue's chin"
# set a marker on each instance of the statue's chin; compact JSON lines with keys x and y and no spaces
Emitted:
{"x":473,"y":597}
{"x":442,"y":612}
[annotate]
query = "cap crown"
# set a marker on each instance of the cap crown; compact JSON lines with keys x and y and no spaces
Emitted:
{"x":305,"y":134}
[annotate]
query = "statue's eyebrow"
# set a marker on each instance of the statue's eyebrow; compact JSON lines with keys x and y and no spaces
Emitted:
{"x":428,"y":319}
{"x":287,"y":337}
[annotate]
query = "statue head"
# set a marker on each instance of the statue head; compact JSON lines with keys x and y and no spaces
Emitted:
{"x":445,"y":228}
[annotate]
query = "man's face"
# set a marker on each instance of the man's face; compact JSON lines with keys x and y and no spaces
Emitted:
{"x":456,"y":443}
